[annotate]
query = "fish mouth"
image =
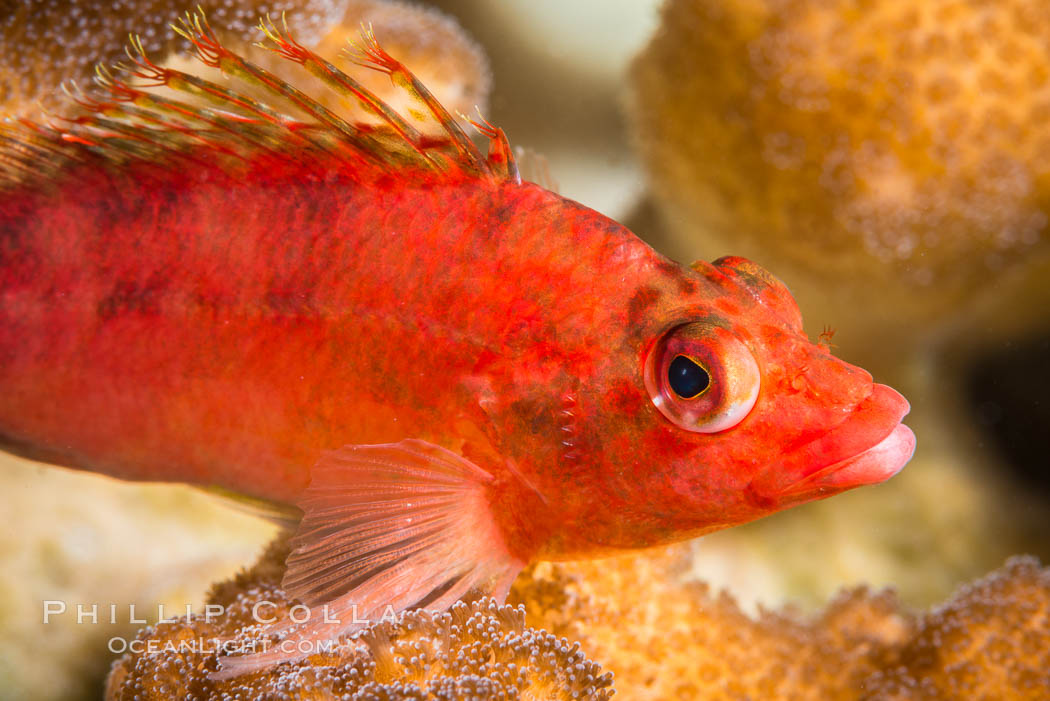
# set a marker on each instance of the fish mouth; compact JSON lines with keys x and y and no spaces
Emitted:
{"x":869,"y":447}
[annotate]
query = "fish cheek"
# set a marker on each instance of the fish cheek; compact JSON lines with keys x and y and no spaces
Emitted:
{"x":653,"y":481}
{"x":526,"y":433}
{"x":553,"y":425}
{"x":628,"y":400}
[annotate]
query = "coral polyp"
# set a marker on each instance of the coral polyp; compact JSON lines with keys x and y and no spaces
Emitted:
{"x":475,"y":650}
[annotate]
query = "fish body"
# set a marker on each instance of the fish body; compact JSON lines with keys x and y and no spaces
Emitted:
{"x":452,"y":372}
{"x":230,"y":337}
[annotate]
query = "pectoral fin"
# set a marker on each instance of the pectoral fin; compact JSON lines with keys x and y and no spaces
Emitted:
{"x":385,"y":528}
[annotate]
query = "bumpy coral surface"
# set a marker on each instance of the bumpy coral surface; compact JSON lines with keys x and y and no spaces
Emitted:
{"x":474,"y":651}
{"x":663,"y":638}
{"x":668,"y":640}
{"x":86,"y":543}
{"x":48,"y":43}
{"x":991,"y":641}
{"x":885,"y":144}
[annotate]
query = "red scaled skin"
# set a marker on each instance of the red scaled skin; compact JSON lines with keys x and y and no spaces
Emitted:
{"x":168,"y":324}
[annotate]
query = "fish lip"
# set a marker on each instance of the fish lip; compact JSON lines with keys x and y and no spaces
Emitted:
{"x":869,"y":447}
{"x":872,"y":466}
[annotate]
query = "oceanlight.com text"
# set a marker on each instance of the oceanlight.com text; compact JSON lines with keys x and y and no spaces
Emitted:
{"x":118,"y":646}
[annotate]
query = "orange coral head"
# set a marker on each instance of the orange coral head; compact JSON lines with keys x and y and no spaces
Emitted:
{"x":716,"y":409}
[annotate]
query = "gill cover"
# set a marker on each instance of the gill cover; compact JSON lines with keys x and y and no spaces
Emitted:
{"x":702,"y":377}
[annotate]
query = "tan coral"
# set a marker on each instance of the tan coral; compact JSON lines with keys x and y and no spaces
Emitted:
{"x":475,"y":650}
{"x":891,"y":152}
{"x":665,"y":640}
{"x":661,"y":637}
{"x":88,"y":543}
{"x":429,"y":42}
{"x":991,"y":641}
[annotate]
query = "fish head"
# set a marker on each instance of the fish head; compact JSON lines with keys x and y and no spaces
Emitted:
{"x":744,"y":415}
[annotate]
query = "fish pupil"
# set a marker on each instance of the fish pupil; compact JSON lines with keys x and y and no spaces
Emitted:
{"x":687,"y":378}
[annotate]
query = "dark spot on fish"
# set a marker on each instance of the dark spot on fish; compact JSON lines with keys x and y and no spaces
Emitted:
{"x":539,"y":424}
{"x":289,"y":300}
{"x":133,"y":296}
{"x":763,"y":502}
{"x":640,"y":304}
{"x":530,"y":416}
{"x":765,"y":288}
{"x":755,"y":282}
{"x":385,"y":182}
{"x":669,"y":268}
{"x":503,"y":214}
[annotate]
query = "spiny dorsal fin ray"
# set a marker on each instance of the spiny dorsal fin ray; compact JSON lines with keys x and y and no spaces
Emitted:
{"x":163,"y":117}
{"x":286,"y":47}
{"x":371,"y":55}
{"x":501,"y":156}
{"x":206,"y":47}
{"x":211,"y":52}
{"x":231,"y":123}
{"x":195,"y":122}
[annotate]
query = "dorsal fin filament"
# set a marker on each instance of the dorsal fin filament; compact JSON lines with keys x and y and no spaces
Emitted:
{"x":370,"y":54}
{"x":164,"y":113}
{"x":187,"y":119}
{"x":211,"y":52}
{"x":501,"y":155}
{"x":144,"y":69}
{"x":288,"y":48}
{"x":129,"y":122}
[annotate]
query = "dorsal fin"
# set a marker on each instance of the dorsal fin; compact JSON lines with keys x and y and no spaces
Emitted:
{"x":501,"y":156}
{"x":286,"y":47}
{"x":130,"y":122}
{"x":535,"y":168}
{"x":371,"y":55}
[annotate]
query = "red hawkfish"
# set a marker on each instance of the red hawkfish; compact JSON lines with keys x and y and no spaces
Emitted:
{"x":450,"y":371}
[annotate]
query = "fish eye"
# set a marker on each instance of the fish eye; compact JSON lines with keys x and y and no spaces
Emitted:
{"x":687,"y":377}
{"x":702,"y":377}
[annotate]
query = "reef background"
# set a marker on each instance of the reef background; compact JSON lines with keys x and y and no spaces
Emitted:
{"x":976,"y":493}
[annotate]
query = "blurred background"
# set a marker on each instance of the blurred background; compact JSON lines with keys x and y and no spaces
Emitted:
{"x":889,"y":163}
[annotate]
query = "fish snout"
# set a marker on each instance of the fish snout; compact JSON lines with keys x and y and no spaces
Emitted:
{"x":869,"y":447}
